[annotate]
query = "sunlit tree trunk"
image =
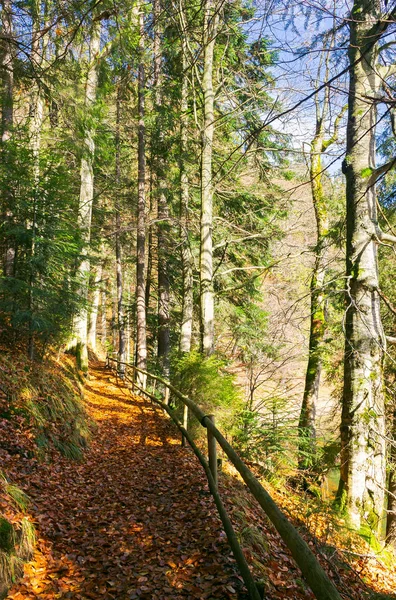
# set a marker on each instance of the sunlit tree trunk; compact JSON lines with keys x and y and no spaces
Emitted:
{"x":206,"y":247}
{"x":80,"y":323}
{"x":391,"y":508}
{"x":363,"y":479}
{"x":7,"y":121}
{"x":141,"y":343}
{"x":103,"y":321}
{"x":93,"y":317}
{"x":187,"y":257}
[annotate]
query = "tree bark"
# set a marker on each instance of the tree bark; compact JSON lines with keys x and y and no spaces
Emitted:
{"x":93,"y":317}
{"x":363,"y":479}
{"x":206,"y":247}
{"x":80,"y":323}
{"x":118,"y":248}
{"x":307,"y":432}
{"x":39,"y":47}
{"x":162,"y":201}
{"x":7,"y":122}
{"x":186,"y":253}
{"x":391,"y":509}
{"x":141,"y":344}
{"x":103,"y":315}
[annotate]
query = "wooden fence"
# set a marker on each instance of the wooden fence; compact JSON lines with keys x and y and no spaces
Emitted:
{"x":319,"y":582}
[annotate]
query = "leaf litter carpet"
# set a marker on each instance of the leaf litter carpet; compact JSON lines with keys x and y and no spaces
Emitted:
{"x":134,"y":519}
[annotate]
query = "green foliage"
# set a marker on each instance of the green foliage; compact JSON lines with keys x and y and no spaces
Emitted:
{"x":39,"y":297}
{"x":7,"y":535}
{"x":267,"y":434}
{"x":207,"y":382}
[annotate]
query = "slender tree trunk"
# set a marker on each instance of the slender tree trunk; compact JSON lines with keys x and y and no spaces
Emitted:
{"x":103,"y":322}
{"x":7,"y":122}
{"x":363,"y":477}
{"x":162,"y":201}
{"x":391,"y":514}
{"x":187,"y":257}
{"x":206,"y":248}
{"x":39,"y":48}
{"x":114,"y":314}
{"x":80,"y":324}
{"x":307,"y":434}
{"x":118,"y":248}
{"x":141,"y":344}
{"x":93,"y":317}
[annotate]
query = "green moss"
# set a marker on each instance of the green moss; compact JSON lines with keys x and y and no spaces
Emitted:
{"x":7,"y":535}
{"x":365,"y":173}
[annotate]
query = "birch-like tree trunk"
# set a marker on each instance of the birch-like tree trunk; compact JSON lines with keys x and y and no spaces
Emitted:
{"x":186,"y":253}
{"x":206,"y":247}
{"x":7,"y":122}
{"x":363,"y":480}
{"x":80,"y":322}
{"x":141,"y":343}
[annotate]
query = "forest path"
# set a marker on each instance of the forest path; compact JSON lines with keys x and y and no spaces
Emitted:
{"x":133,"y":520}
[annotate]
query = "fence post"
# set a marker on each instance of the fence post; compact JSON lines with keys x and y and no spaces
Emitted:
{"x":166,"y":398}
{"x":212,"y":451}
{"x":185,"y":423}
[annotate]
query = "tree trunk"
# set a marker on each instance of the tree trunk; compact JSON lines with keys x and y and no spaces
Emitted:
{"x":93,"y":317}
{"x":206,"y":248}
{"x":141,"y":344}
{"x":39,"y":47}
{"x":103,"y":328}
{"x":118,"y":249}
{"x":307,"y":433}
{"x":7,"y":122}
{"x":80,"y":324}
{"x":362,"y":480}
{"x":162,"y":201}
{"x":391,"y":514}
{"x":186,"y":254}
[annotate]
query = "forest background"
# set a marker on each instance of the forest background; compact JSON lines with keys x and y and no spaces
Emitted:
{"x":195,"y":187}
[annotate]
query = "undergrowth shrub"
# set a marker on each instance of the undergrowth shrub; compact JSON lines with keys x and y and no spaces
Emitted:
{"x":17,"y":534}
{"x":206,"y":381}
{"x":267,"y":434}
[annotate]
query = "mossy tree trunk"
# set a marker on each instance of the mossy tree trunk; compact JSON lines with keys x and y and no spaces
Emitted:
{"x":363,"y":480}
{"x":319,"y":145}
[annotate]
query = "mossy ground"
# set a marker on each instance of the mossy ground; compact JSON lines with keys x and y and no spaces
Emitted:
{"x":42,"y":414}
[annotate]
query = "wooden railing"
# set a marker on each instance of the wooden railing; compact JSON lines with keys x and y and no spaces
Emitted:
{"x":319,"y":582}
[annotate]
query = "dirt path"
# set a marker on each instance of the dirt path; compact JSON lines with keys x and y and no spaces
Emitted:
{"x":134,"y":520}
